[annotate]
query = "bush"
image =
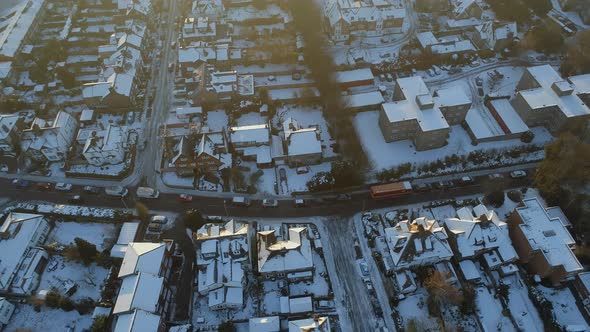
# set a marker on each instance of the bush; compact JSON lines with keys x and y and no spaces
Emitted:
{"x":86,"y":250}
{"x":100,"y":324}
{"x":52,"y":299}
{"x":515,"y":196}
{"x":527,"y":136}
{"x":321,"y":181}
{"x":495,"y":198}
{"x":66,"y":304}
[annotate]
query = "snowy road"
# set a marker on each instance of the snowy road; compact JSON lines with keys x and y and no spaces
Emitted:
{"x":348,"y":285}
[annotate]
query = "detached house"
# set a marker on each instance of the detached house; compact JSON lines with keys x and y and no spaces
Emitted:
{"x":49,"y":140}
{"x":542,"y":242}
{"x":346,"y":18}
{"x":303,"y":146}
{"x":483,"y":237}
{"x":222,"y":253}
{"x":252,"y":143}
{"x":11,"y":127}
{"x":144,"y":298}
{"x":412,"y":244}
{"x":107,"y":150}
{"x":21,"y":236}
{"x":291,"y":258}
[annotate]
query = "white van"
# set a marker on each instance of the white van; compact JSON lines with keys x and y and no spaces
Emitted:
{"x":240,"y":201}
{"x":116,"y":191}
{"x":147,"y":192}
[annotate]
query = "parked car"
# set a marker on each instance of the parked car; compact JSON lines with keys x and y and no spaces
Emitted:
{"x":388,"y":77}
{"x":296,"y":76}
{"x":44,"y":186}
{"x":91,"y":190}
{"x":21,"y":183}
{"x":518,"y":174}
{"x":184,"y":198}
{"x":240,"y":201}
{"x":495,"y":176}
{"x":302,"y":170}
{"x":130,"y":117}
{"x":272,"y":78}
{"x":343,"y":197}
{"x":63,"y":186}
{"x":422,"y":187}
{"x":478,"y":81}
{"x":474,"y":64}
{"x":267,"y":203}
{"x":480,"y":91}
{"x":299,"y":202}
{"x":159,"y":219}
{"x":3,"y":168}
{"x":466,"y":180}
{"x":76,"y":199}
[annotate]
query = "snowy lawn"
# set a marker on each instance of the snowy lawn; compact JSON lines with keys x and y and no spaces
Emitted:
{"x":25,"y":318}
{"x":489,"y":310}
{"x":414,"y":307}
{"x":298,"y":182}
{"x":521,"y":307}
{"x":216,"y":120}
{"x":319,"y":287}
{"x":99,"y":234}
{"x":250,"y":119}
{"x":385,"y":155}
{"x":442,"y":212}
{"x":171,"y":179}
{"x":564,"y":307}
{"x":271,"y":304}
{"x":88,"y":278}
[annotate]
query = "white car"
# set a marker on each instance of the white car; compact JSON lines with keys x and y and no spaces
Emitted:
{"x":517,"y":174}
{"x":63,"y":186}
{"x":270,"y":203}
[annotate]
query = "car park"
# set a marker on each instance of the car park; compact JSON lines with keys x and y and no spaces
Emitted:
{"x":63,"y":186}
{"x":267,"y":203}
{"x":518,"y":174}
{"x":184,"y":198}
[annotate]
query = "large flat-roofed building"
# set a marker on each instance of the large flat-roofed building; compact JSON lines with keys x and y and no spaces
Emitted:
{"x":542,"y":242}
{"x":414,"y":115}
{"x":544,"y":98}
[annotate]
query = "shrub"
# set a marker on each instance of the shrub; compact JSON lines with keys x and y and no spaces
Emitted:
{"x":86,"y":250}
{"x":66,"y":304}
{"x":52,"y":299}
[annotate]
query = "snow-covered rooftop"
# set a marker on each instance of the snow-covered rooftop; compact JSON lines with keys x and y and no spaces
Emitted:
{"x":480,"y":234}
{"x":254,"y":134}
{"x":144,"y":257}
{"x":138,"y":321}
{"x":415,"y":92}
{"x":416,"y":243}
{"x":20,"y":232}
{"x":229,"y":229}
{"x":316,"y":324}
{"x":508,"y":116}
{"x":549,"y":89}
{"x":139,"y":291}
{"x":294,"y":254}
{"x":15,"y":24}
{"x":265,"y":324}
{"x":372,"y":98}
{"x":354,"y":75}
{"x":547,"y":235}
{"x":126,"y":236}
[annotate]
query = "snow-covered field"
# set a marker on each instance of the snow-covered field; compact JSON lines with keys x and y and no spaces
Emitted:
{"x":88,"y":279}
{"x":385,"y":155}
{"x":25,"y":318}
{"x":414,"y":307}
{"x":102,"y":235}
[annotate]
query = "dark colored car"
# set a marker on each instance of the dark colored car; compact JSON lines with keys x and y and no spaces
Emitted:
{"x":44,"y":186}
{"x":76,"y":199}
{"x":21,"y":183}
{"x":91,"y":190}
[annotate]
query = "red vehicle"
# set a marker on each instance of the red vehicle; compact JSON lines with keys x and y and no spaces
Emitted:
{"x":44,"y":186}
{"x":390,"y":190}
{"x":184,"y":198}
